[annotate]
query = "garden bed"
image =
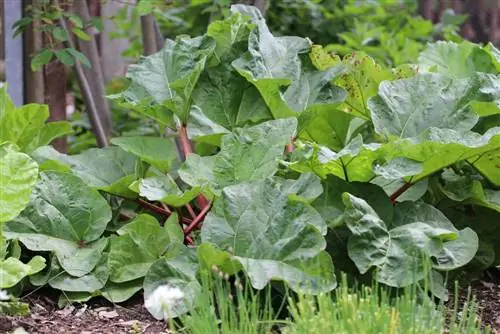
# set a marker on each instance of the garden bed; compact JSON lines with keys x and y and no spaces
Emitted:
{"x":132,"y":317}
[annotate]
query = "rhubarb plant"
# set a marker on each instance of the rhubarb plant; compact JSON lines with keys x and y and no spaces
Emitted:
{"x":298,"y":164}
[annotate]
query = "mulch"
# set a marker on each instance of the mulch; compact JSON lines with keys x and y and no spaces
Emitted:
{"x":133,"y":318}
{"x":91,"y":318}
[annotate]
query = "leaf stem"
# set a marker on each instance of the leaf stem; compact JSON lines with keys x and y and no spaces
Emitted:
{"x":185,"y":146}
{"x":197,"y":220}
{"x":290,"y":146}
{"x":188,"y":240}
{"x":190,"y":210}
{"x":160,"y":210}
{"x":400,"y":191}
{"x":184,"y":141}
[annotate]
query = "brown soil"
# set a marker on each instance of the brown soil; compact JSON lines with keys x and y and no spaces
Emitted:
{"x":133,"y":318}
{"x":487,"y":295}
{"x":98,"y":317}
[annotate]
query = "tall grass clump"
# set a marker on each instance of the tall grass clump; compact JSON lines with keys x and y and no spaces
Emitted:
{"x":233,"y":307}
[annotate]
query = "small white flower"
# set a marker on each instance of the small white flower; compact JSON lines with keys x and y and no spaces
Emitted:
{"x":4,"y":295}
{"x":165,"y":302}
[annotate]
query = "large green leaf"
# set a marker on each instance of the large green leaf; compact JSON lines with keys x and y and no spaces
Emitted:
{"x":163,"y":82}
{"x":485,"y":222}
{"x":361,"y":78}
{"x":488,"y":163}
{"x":406,"y":108}
{"x":456,"y":60}
{"x":139,"y":244}
{"x":331,"y":205}
{"x":231,"y":37}
{"x":66,"y":217}
{"x":272,"y":233}
{"x":57,"y":278}
{"x":331,"y":128}
{"x":12,"y":271}
{"x":164,"y":189}
{"x":18,"y":175}
{"x":417,"y":233}
{"x":25,"y":126}
{"x":465,"y":188}
{"x":247,"y":154}
{"x":271,"y":62}
{"x":225,"y":99}
{"x":158,"y":152}
{"x":110,"y":169}
{"x":436,"y":149}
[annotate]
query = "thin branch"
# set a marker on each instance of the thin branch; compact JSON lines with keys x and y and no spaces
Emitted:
{"x":197,"y":220}
{"x":95,"y":121}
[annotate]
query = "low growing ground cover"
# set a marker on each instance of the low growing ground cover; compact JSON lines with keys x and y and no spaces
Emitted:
{"x":280,"y":161}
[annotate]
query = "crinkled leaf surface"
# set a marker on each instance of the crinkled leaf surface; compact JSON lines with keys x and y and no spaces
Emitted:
{"x":246,"y":154}
{"x":408,"y":107}
{"x":360,"y":79}
{"x":12,"y":271}
{"x":225,"y":100}
{"x":456,"y":60}
{"x":271,"y":62}
{"x":164,"y":189}
{"x":436,"y":149}
{"x":18,"y":175}
{"x":231,"y":37}
{"x":174,"y":273}
{"x":110,"y":169}
{"x":156,"y":151}
{"x":418,"y":231}
{"x":331,"y":128}
{"x":165,"y":80}
{"x":25,"y":126}
{"x":271,"y":234}
{"x":139,"y":244}
{"x":464,"y":188}
{"x":66,"y":217}
{"x":332,"y":208}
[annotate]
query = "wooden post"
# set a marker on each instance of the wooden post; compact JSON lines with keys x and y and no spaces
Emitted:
{"x":14,"y":67}
{"x":34,"y":80}
{"x":95,"y":74}
{"x":425,"y":8}
{"x":494,"y":22}
{"x":55,"y":96}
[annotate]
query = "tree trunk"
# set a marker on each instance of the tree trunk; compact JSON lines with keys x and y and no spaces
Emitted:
{"x":94,"y":75}
{"x":34,"y":87}
{"x":55,"y":96}
{"x":480,"y":35}
{"x":494,"y":22}
{"x":148,"y":34}
{"x":425,"y":9}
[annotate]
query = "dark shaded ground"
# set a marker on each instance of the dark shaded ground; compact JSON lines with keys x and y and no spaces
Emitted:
{"x":133,"y":318}
{"x":97,"y":317}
